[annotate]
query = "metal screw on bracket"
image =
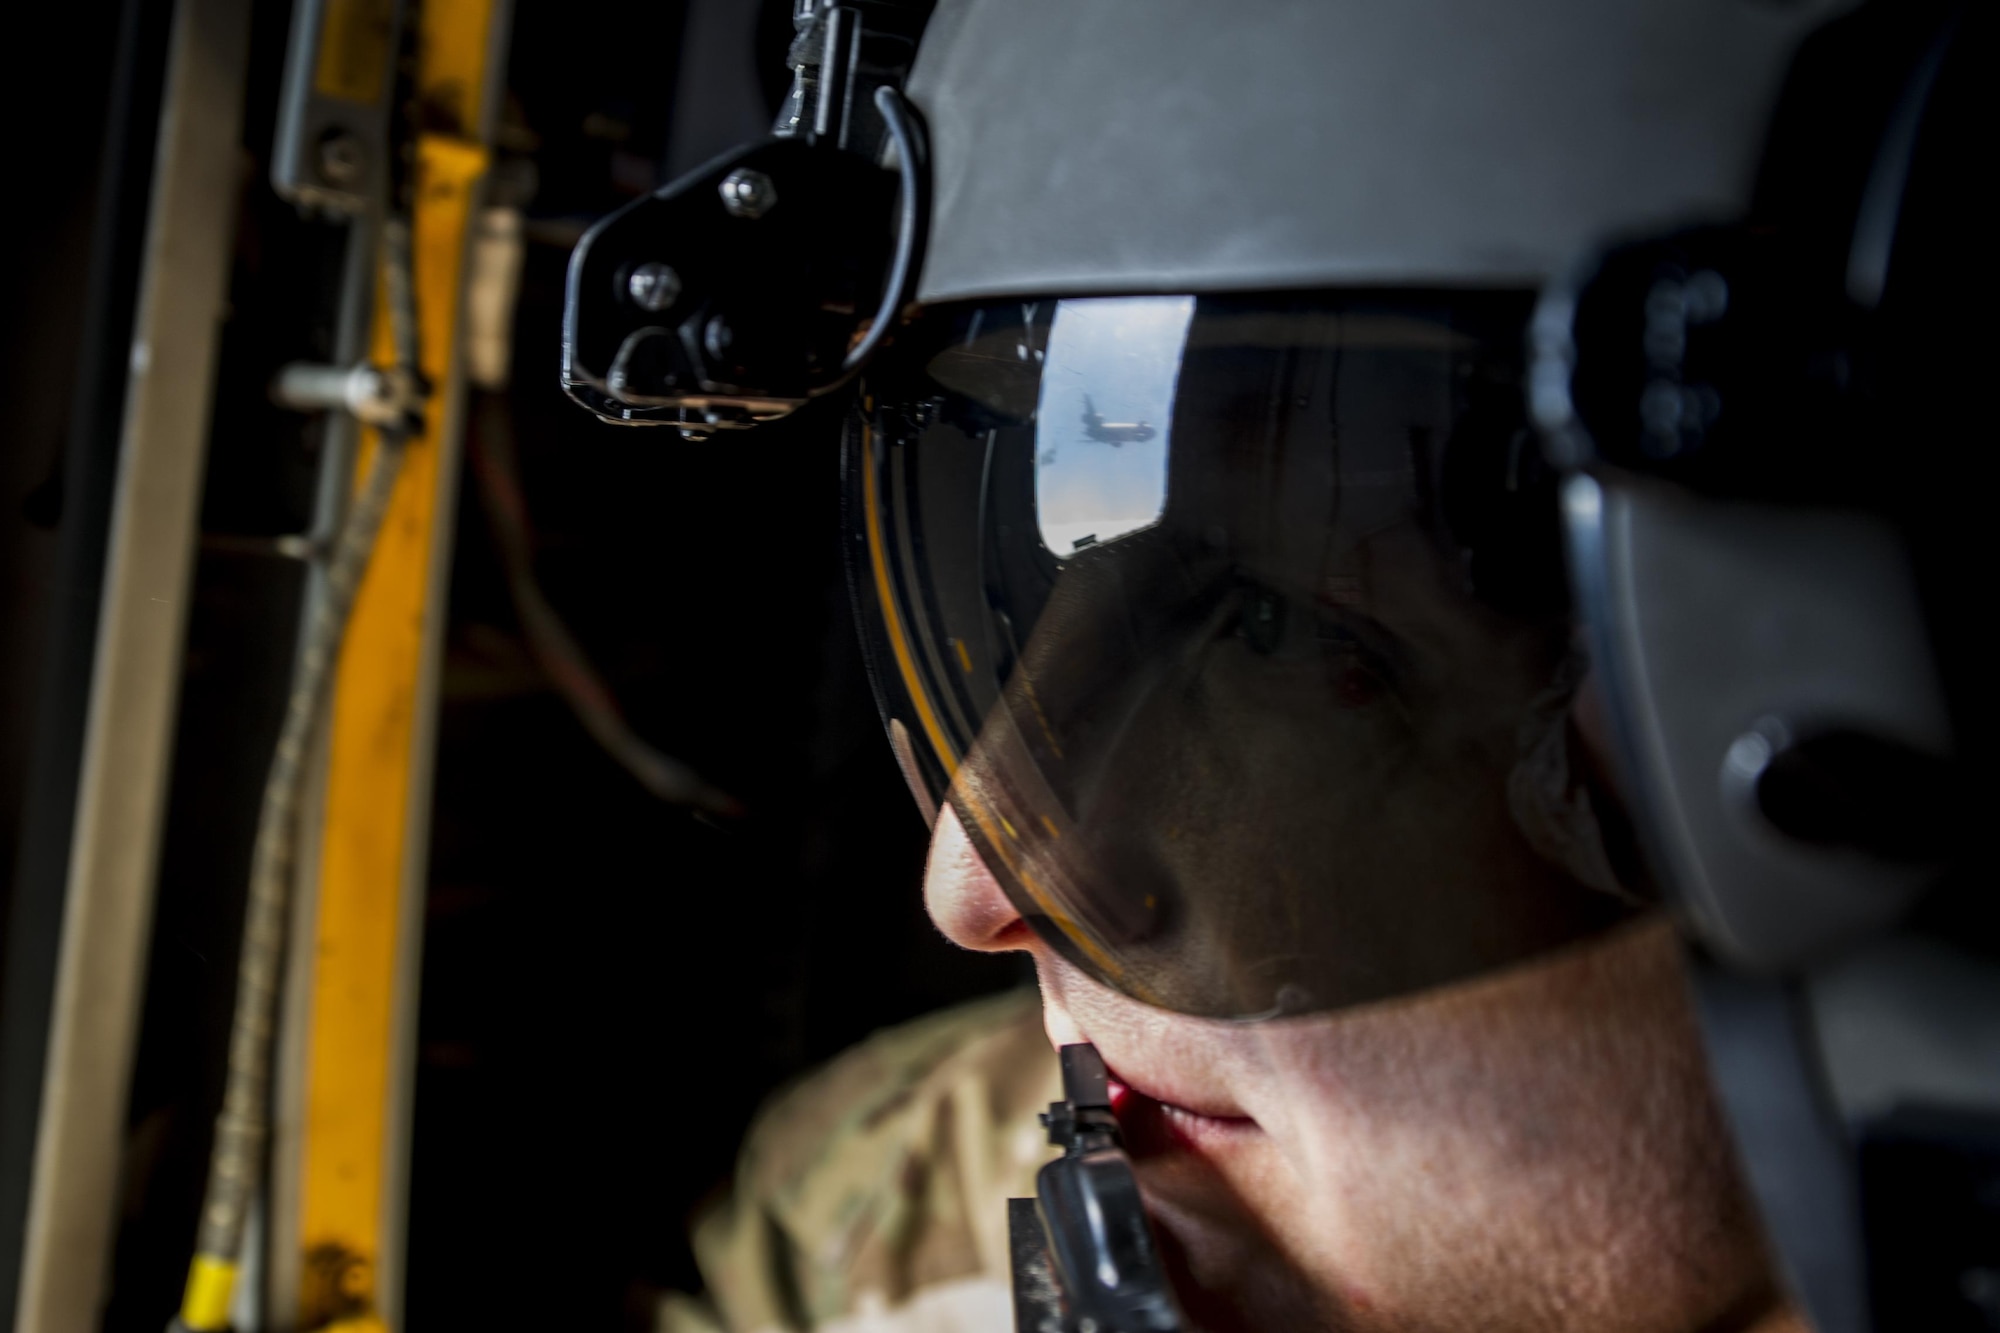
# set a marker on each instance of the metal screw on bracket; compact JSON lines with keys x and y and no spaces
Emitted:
{"x":653,"y":286}
{"x":747,"y":193}
{"x":341,"y":158}
{"x":377,"y":396}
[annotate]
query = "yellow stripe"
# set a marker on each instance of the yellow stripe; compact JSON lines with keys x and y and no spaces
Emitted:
{"x":210,"y":1286}
{"x":354,"y":50}
{"x":906,"y":664}
{"x":372,"y":736}
{"x":457,"y":46}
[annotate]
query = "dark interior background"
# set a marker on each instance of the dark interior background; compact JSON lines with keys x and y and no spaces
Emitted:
{"x":609,"y":984}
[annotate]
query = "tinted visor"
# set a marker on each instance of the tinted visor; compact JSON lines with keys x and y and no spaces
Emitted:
{"x":1234,"y":632}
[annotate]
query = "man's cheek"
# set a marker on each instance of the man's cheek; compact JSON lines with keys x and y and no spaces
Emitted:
{"x":1212,"y":1221}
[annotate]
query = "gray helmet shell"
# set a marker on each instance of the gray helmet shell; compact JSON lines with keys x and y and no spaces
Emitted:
{"x":1184,"y":145}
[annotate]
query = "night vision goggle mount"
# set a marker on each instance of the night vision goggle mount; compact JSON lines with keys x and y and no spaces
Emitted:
{"x":767,"y":277}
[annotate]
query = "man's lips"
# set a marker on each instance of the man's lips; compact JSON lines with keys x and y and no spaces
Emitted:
{"x":1152,"y":1127}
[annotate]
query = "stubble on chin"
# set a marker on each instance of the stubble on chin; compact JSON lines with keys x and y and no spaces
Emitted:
{"x":1538,"y":1150}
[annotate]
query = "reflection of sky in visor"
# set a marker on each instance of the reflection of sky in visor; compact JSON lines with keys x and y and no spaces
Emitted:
{"x":1101,"y":426}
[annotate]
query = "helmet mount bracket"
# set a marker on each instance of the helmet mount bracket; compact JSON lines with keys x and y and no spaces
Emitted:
{"x":765,"y":278}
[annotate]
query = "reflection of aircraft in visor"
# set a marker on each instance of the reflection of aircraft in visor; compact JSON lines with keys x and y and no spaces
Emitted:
{"x":1113,"y":433}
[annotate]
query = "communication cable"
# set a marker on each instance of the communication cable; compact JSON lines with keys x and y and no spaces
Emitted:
{"x":555,"y":647}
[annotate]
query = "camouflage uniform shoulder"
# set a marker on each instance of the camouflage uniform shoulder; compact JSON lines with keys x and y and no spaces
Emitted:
{"x":870,"y":1195}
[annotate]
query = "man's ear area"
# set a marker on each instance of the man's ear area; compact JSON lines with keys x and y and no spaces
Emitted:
{"x":1590,"y":723}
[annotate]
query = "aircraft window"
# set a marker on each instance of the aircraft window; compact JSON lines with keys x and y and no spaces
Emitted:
{"x":1104,"y":417}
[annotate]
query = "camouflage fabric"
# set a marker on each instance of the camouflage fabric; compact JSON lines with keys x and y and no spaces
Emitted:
{"x":870,"y":1197}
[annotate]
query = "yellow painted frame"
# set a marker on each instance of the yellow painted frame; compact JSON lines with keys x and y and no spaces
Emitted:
{"x":346,"y":1175}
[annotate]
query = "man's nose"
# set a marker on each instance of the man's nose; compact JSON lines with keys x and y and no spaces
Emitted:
{"x":964,"y":899}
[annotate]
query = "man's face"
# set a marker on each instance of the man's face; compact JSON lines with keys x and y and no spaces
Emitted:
{"x":1536,"y":1150}
{"x":1272,"y":740}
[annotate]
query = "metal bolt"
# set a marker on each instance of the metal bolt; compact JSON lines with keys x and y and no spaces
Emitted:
{"x":377,"y":396}
{"x":653,"y":286}
{"x":341,"y":158}
{"x":747,"y":193}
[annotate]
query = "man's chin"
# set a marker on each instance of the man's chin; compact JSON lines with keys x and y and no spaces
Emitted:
{"x":1230,"y":1274}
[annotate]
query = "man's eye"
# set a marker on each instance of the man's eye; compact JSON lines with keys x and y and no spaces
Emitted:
{"x":1357,"y":671}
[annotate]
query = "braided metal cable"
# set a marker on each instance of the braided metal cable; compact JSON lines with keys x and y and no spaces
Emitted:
{"x":236,"y":1162}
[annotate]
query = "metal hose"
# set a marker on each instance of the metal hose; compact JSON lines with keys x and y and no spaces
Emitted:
{"x":236,"y":1162}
